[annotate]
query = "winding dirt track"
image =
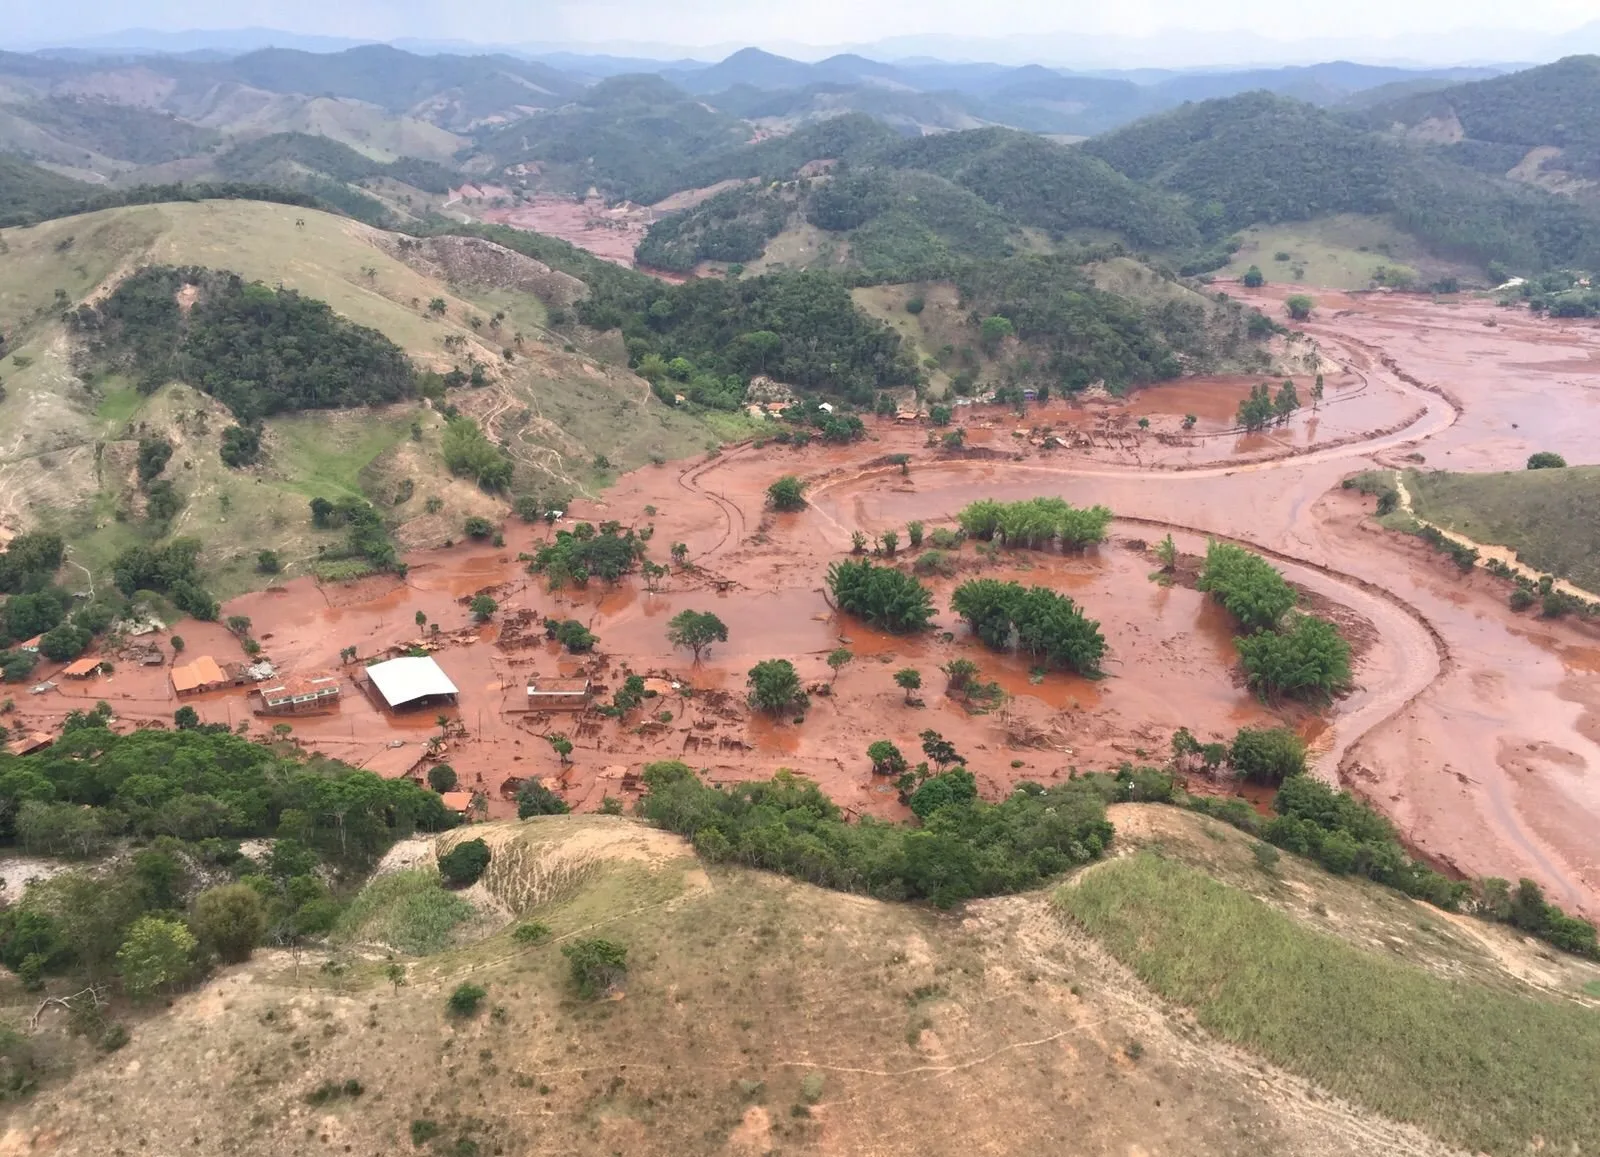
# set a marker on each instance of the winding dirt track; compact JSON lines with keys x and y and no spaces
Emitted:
{"x":1416,"y":653}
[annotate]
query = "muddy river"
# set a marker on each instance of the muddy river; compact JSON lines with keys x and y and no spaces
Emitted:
{"x":1474,"y":729}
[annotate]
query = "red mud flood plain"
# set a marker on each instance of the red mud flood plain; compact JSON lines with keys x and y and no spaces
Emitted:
{"x":1474,"y":729}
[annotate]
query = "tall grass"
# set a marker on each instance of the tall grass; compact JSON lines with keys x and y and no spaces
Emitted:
{"x":1483,"y":1069}
{"x":409,"y":911}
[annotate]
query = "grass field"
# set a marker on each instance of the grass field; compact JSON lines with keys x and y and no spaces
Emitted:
{"x":1480,"y":1067}
{"x":1549,"y":518}
{"x":1338,"y":252}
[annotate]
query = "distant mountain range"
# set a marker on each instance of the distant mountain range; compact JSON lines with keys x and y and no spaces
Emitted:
{"x":1173,"y":49}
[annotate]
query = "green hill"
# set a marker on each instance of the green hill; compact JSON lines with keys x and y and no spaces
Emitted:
{"x":1262,"y":159}
{"x":1549,"y":518}
{"x":1556,"y":106}
{"x":27,"y":191}
{"x":70,"y":464}
{"x":623,"y":136}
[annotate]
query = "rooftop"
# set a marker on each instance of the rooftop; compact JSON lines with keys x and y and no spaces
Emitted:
{"x":203,"y":672}
{"x":408,"y":679}
{"x":457,"y":801}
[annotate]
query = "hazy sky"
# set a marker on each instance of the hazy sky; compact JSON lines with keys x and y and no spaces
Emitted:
{"x":720,"y":22}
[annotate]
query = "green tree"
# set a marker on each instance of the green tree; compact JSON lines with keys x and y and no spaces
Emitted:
{"x":1267,"y":755}
{"x":787,"y":494}
{"x":442,"y":778}
{"x":1546,"y":460}
{"x":956,"y":787}
{"x":1253,"y":278}
{"x":436,"y":306}
{"x":697,"y":630}
{"x":267,"y":562}
{"x":595,"y":965}
{"x":186,"y":718}
{"x":775,"y":687}
{"x":838,"y":660}
{"x":155,"y":955}
{"x":909,"y":680}
{"x":993,"y":330}
{"x":562,"y":746}
{"x":534,"y":799}
{"x":939,"y":414}
{"x":886,"y":758}
{"x":177,"y":644}
{"x":1299,"y":307}
{"x":464,"y":863}
{"x":483,"y":608}
{"x":230,"y":920}
{"x":939,"y":750}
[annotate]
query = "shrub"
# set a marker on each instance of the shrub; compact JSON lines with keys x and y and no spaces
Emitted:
{"x":483,"y":608}
{"x":464,"y":1002}
{"x":530,"y":932}
{"x":787,"y":494}
{"x":596,"y":965}
{"x":955,"y":787}
{"x":442,"y":778}
{"x":1546,"y":460}
{"x":230,"y":920}
{"x":477,"y":527}
{"x":464,"y":863}
{"x":1267,"y":755}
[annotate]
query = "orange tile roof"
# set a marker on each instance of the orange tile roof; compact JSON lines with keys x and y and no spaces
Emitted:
{"x":203,"y":672}
{"x":30,"y":743}
{"x":82,"y":667}
{"x":457,"y":801}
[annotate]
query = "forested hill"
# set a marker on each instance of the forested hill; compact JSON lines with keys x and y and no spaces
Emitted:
{"x":1555,"y":106}
{"x":1259,"y":157}
{"x":28,"y":192}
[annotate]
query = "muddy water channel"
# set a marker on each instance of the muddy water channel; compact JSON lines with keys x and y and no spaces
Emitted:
{"x":1476,"y":730}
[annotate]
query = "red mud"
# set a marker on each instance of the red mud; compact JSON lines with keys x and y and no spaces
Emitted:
{"x":1474,"y":729}
{"x":611,"y":232}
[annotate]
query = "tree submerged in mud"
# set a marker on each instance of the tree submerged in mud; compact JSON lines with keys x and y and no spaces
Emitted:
{"x":775,"y":688}
{"x":697,"y":630}
{"x":880,"y":595}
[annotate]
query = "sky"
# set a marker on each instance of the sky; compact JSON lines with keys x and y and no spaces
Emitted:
{"x":786,"y":25}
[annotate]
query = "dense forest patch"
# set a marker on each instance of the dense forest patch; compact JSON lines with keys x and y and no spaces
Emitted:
{"x":258,"y":350}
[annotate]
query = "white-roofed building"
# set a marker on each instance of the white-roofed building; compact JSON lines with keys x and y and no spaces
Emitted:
{"x":411,"y":681}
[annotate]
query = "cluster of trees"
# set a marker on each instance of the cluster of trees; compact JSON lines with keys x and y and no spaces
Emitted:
{"x":1085,"y":335}
{"x":186,"y":797}
{"x":882,"y":596}
{"x":172,"y":570}
{"x":735,"y":225}
{"x":574,"y":555}
{"x":824,"y":343}
{"x":258,"y":350}
{"x":1036,"y":523}
{"x":1298,"y":655}
{"x":368,"y":538}
{"x":963,"y":847}
{"x":1263,"y":408}
{"x":1049,"y":626}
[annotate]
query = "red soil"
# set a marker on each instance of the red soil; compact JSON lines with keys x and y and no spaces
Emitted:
{"x":1478,"y":731}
